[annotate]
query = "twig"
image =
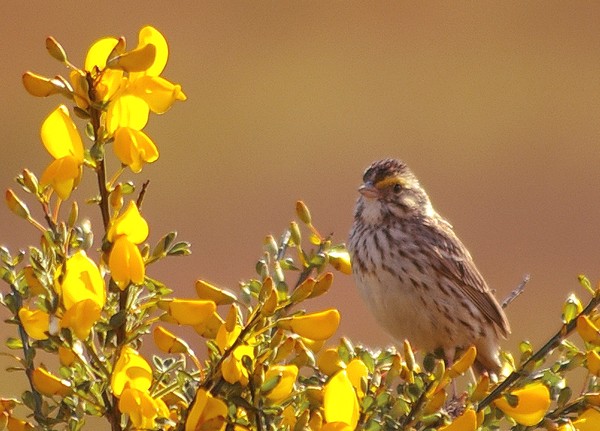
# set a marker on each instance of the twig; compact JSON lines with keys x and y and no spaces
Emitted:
{"x":516,"y":293}
{"x":140,"y":198}
{"x":414,"y":410}
{"x":37,"y":397}
{"x":553,"y":343}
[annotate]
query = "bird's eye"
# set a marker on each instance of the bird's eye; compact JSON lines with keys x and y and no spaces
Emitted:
{"x":397,"y":188}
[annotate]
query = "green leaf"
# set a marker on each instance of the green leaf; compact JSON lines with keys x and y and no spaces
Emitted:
{"x":127,"y":188}
{"x":163,"y":244}
{"x":14,"y":343}
{"x":585,"y":283}
{"x":182,"y":248}
{"x":270,"y":383}
{"x":28,"y":399}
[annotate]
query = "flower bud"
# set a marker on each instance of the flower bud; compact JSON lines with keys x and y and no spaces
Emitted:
{"x":295,"y":233}
{"x":16,"y":205}
{"x":30,"y":181}
{"x":55,"y":49}
{"x":303,"y":213}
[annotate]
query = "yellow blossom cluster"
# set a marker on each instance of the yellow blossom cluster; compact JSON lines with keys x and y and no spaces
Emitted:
{"x":116,"y":88}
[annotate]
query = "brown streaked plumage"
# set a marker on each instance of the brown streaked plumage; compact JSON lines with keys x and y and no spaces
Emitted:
{"x":414,"y":273}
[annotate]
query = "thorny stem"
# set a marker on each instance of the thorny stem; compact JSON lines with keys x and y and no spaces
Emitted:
{"x":552,"y":344}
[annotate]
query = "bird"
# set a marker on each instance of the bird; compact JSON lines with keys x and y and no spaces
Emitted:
{"x":415,"y":274}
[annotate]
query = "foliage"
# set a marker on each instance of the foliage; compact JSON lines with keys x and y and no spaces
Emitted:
{"x":88,"y":302}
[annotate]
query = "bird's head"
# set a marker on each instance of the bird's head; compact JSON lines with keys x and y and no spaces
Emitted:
{"x":390,"y":189}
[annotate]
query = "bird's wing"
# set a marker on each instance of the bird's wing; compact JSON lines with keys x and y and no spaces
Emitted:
{"x":457,"y":264}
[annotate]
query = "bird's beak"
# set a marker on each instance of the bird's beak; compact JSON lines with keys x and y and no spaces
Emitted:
{"x":368,"y":190}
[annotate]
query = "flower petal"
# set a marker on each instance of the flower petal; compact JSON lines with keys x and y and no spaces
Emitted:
{"x":63,"y":175}
{"x":35,"y":322}
{"x":134,"y":148}
{"x":59,"y":135}
{"x":189,"y":311}
{"x":206,"y":410}
{"x":40,"y":86}
{"x":48,"y":384}
{"x":131,"y":224}
{"x":168,"y":342}
{"x":81,"y":317}
{"x":131,"y":370}
{"x":465,"y":422}
{"x":150,"y":35}
{"x":99,"y":52}
{"x":339,"y":400}
{"x":157,"y":92}
{"x":127,"y":110}
{"x":126,"y":263}
{"x":589,"y":420}
{"x":82,"y":280}
{"x":316,"y":326}
{"x":532,"y":405}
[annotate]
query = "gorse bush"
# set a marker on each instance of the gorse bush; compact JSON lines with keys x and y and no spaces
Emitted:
{"x":86,"y":298}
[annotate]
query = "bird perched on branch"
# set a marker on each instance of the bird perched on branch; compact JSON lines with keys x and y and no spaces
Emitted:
{"x":414,"y":273}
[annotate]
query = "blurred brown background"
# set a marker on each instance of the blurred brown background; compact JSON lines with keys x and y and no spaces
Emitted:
{"x":495,"y":106}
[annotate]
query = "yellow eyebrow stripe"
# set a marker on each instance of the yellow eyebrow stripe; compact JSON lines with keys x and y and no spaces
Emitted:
{"x":390,"y":181}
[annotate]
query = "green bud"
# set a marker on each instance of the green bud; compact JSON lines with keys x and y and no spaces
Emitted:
{"x":73,"y":215}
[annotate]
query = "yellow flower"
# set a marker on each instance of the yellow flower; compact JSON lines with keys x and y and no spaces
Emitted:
{"x":207,"y":291}
{"x":125,"y":261}
{"x":339,"y":401}
{"x":340,"y":260}
{"x":329,"y":362}
{"x":61,"y":139}
{"x":289,"y":417}
{"x":34,"y":285}
{"x":589,"y":420}
{"x":210,"y":327}
{"x":357,"y":372}
{"x":48,"y":384}
{"x":15,"y":424}
{"x":316,"y":326}
{"x":145,"y":89}
{"x":593,"y":362}
{"x":465,"y":422}
{"x":131,"y":224}
{"x":35,"y":323}
{"x":169,"y":342}
{"x":191,"y":312}
{"x":206,"y":413}
{"x":463,"y":363}
{"x":142,"y":408}
{"x":287,"y":375}
{"x":66,"y":356}
{"x":131,"y":370}
{"x":232,"y":368}
{"x":81,"y":281}
{"x":40,"y":86}
{"x":533,"y":401}
{"x":81,"y":317}
{"x":587,"y":330}
{"x":134,"y":148}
